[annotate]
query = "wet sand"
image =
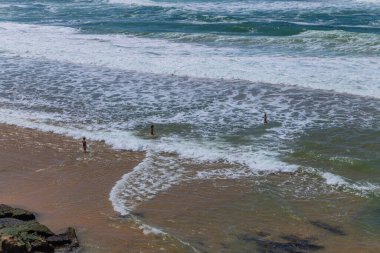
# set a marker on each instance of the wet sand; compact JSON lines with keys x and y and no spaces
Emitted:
{"x":256,"y":215}
{"x":51,"y":176}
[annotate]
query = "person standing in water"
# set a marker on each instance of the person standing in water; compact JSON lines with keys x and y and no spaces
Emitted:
{"x":151,"y":130}
{"x":265,"y":117}
{"x":84,"y":145}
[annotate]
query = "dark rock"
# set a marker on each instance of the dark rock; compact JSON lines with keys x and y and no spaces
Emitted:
{"x":19,"y":234}
{"x":331,"y":229}
{"x":27,"y":234}
{"x":58,"y":240}
{"x":72,"y":236}
{"x":66,"y":241}
{"x":11,"y":245}
{"x":27,"y":227}
{"x":10,"y":222}
{"x":40,"y":246}
{"x":17,"y":213}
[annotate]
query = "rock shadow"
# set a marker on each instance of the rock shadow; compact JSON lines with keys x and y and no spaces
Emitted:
{"x":332,"y":229}
{"x":288,"y":244}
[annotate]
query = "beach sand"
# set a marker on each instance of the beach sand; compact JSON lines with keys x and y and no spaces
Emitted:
{"x":50,"y":175}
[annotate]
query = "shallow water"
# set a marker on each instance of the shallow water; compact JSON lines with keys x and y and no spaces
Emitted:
{"x":232,"y":216}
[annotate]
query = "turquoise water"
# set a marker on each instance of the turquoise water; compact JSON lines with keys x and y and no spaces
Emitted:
{"x":204,"y":73}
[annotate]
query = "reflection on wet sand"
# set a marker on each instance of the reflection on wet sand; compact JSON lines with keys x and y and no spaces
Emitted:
{"x":259,"y":215}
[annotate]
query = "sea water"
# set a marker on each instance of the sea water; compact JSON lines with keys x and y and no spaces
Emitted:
{"x":204,"y":73}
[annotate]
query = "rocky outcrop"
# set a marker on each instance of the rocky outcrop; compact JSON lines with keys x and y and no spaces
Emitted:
{"x":17,"y":213}
{"x":21,"y":233}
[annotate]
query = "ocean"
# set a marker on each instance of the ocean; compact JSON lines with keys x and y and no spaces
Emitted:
{"x":204,"y":72}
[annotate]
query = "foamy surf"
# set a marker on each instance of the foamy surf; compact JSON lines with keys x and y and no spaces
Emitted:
{"x":162,"y":57}
{"x":159,"y":172}
{"x":147,"y":230}
{"x":246,"y":6}
{"x":361,"y":188}
{"x":150,"y":177}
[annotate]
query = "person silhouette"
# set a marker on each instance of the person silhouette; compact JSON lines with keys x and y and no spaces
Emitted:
{"x":265,"y":117}
{"x":151,"y":130}
{"x":84,"y":145}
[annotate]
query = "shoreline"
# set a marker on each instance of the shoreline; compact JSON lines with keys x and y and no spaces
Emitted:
{"x":50,"y":175}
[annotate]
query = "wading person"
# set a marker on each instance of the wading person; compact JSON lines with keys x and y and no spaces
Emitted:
{"x":265,"y":117}
{"x":151,"y":130}
{"x":84,"y":145}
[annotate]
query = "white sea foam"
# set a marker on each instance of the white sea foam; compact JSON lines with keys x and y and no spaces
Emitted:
{"x":260,"y":162}
{"x":153,"y":175}
{"x":308,"y":42}
{"x":151,"y":230}
{"x":246,"y":6}
{"x":337,"y":40}
{"x":41,"y":121}
{"x":339,"y":181}
{"x":158,"y":173}
{"x":197,"y":151}
{"x":355,"y":75}
{"x":368,"y":1}
{"x":135,"y":2}
{"x":12,"y":5}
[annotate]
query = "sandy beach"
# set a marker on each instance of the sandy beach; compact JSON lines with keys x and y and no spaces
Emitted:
{"x":51,"y":176}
